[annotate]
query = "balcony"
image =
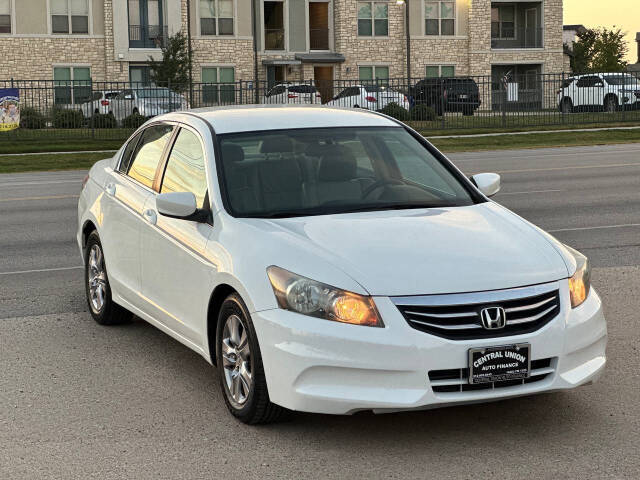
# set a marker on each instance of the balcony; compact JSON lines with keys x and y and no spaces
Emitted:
{"x":318,"y":39}
{"x":517,"y":25}
{"x":526,"y":38}
{"x":148,"y":36}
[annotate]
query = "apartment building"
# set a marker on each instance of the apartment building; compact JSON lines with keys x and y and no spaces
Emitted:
{"x":112,"y":40}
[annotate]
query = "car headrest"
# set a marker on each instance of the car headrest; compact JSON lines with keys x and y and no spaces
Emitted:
{"x":232,"y":152}
{"x":277,"y":144}
{"x":337,"y":165}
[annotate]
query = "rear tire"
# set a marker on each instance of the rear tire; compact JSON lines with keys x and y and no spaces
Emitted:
{"x":611,"y":104}
{"x":101,"y":305}
{"x":566,"y":106}
{"x":240,"y":368}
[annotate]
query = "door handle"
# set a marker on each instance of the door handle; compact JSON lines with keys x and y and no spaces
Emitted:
{"x":110,"y":189}
{"x":150,"y":216}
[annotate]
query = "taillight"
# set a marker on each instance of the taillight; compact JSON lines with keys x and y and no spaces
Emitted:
{"x":104,"y":103}
{"x":369,"y":98}
{"x":85,"y":180}
{"x":291,"y":95}
{"x":318,"y":95}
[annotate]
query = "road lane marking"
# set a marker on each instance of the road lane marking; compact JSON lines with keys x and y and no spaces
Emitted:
{"x":491,"y":155}
{"x":42,"y":270}
{"x":50,"y":197}
{"x":524,"y":193}
{"x":46,"y":182}
{"x":579,"y":167}
{"x":594,"y":228}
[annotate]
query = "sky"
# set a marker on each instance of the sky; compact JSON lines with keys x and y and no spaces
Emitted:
{"x":624,"y":14}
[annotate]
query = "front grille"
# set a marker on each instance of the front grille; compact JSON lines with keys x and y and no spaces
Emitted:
{"x":457,"y":379}
{"x":457,"y":317}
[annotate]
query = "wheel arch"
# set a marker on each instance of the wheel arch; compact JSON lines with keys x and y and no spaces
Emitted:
{"x":219,"y":294}
{"x":87,"y":228}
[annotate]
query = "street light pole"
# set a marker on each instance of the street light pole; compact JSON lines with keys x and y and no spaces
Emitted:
{"x":408,"y":37}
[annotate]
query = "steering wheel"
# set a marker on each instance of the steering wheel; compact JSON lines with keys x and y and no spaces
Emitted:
{"x":379,"y":184}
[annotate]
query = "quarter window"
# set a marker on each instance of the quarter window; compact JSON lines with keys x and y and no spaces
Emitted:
{"x":216,"y":17}
{"x":72,"y":85}
{"x":5,"y":16}
{"x":148,"y":154}
{"x":185,"y":170}
{"x":440,"y":18}
{"x":503,"y":24}
{"x":70,"y":16}
{"x":128,"y":153}
{"x":373,"y":19}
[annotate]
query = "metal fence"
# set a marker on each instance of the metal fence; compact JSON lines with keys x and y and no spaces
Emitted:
{"x":111,"y":110}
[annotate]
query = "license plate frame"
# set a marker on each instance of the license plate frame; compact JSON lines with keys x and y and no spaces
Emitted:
{"x":505,"y":365}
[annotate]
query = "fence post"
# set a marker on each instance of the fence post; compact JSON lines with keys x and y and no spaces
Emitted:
{"x":442,"y":104}
{"x":12,"y":82}
{"x":92,"y":119}
{"x":561,"y":101}
{"x":503,"y":102}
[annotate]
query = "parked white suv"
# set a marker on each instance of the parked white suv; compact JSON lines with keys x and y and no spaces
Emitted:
{"x":332,"y":260}
{"x":607,"y":91}
{"x":371,"y":97}
{"x":100,"y":103}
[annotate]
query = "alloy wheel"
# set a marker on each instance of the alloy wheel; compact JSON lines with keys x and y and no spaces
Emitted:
{"x":97,"y":279}
{"x":236,"y":360}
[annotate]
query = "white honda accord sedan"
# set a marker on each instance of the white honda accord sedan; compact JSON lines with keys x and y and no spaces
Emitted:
{"x":332,"y":261}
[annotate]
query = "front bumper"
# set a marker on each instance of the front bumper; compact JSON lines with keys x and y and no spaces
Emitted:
{"x":319,"y":366}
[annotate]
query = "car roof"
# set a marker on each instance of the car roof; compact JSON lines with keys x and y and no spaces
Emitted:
{"x":250,"y":118}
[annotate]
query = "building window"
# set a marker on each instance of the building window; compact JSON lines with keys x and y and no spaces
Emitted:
{"x":503,"y":23}
{"x":274,"y":25}
{"x":435,"y":71}
{"x":72,"y":85}
{"x":70,"y":16}
{"x":373,"y":19}
{"x":216,"y":17}
{"x":140,"y":76}
{"x":440,"y":18}
{"x":374,"y":74}
{"x":5,"y":16}
{"x":218,"y":85}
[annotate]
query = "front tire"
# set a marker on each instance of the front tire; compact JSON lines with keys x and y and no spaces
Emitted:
{"x":240,"y":368}
{"x":101,"y":305}
{"x":566,"y":106}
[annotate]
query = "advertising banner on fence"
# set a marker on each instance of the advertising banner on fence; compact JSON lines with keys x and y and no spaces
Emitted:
{"x":9,"y":109}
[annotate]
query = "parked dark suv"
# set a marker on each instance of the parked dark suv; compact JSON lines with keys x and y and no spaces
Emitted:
{"x":458,"y":94}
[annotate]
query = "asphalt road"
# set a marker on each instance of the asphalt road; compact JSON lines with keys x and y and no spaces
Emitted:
{"x":82,"y":401}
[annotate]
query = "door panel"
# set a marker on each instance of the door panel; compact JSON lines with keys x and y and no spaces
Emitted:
{"x":120,"y":234}
{"x":176,"y":279}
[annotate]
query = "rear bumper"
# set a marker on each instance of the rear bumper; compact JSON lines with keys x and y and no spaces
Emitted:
{"x":325,"y":367}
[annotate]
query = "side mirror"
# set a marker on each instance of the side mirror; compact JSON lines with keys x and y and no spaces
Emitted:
{"x":180,"y":205}
{"x":487,"y":183}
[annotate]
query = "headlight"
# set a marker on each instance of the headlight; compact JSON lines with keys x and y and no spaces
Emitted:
{"x":308,"y":297}
{"x":580,"y":282}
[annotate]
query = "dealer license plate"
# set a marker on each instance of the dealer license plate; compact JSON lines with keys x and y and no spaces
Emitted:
{"x":496,"y":364}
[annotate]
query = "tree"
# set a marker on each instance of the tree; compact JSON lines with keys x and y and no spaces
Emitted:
{"x":175,"y":65}
{"x":599,"y":50}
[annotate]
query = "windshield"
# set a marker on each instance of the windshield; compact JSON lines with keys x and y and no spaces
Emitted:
{"x":320,"y":171}
{"x":621,"y":80}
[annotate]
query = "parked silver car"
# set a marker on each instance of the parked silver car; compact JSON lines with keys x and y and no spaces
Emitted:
{"x":148,"y":102}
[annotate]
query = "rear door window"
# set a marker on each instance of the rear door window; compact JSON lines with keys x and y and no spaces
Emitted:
{"x":185,"y":170}
{"x":149,"y":153}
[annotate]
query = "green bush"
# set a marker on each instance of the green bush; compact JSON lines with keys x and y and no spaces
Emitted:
{"x":31,"y":118}
{"x":423,"y":113}
{"x":396,"y":111}
{"x":135,"y":120}
{"x":103,"y":120}
{"x":65,"y":118}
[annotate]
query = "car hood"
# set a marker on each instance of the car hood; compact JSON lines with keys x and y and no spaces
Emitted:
{"x":429,"y":251}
